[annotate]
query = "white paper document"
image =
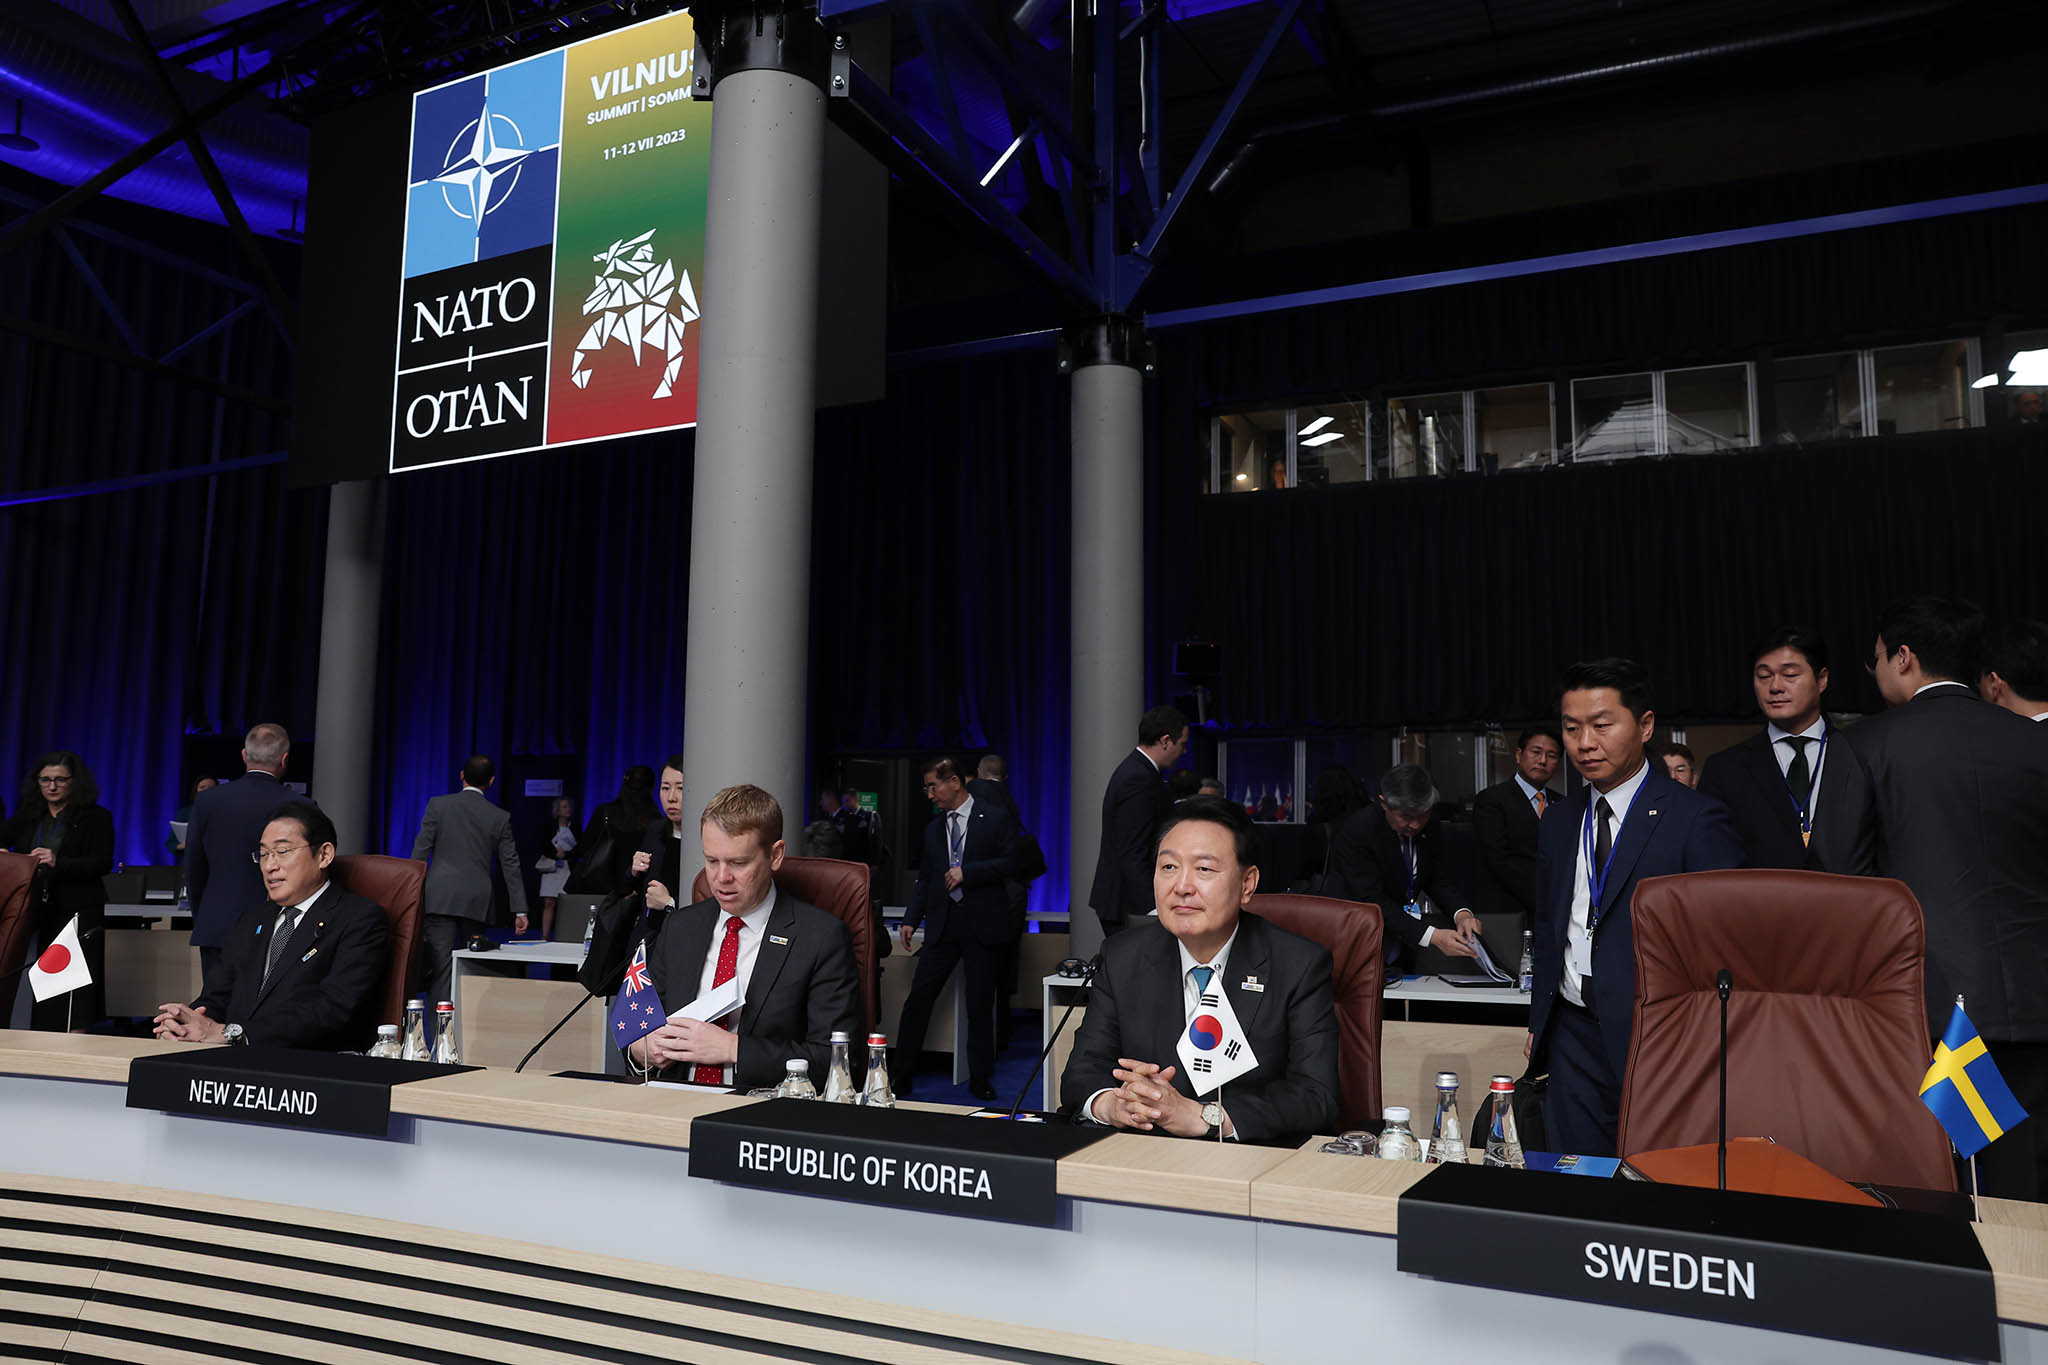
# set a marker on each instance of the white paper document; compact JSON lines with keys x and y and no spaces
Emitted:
{"x":711,"y":1006}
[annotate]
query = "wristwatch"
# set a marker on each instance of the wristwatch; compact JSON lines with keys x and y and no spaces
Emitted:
{"x":1212,"y":1114}
{"x":233,"y":1036}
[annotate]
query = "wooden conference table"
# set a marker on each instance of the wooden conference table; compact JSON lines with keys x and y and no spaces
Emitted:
{"x":540,"y":1218}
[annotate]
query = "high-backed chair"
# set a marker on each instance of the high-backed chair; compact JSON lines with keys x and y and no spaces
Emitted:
{"x":838,"y":887}
{"x":1351,"y":931}
{"x":397,"y":886}
{"x":17,"y":870}
{"x":1827,"y":1026}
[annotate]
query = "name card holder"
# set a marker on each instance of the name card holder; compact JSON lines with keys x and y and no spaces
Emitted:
{"x":330,"y":1091}
{"x":1885,"y":1277}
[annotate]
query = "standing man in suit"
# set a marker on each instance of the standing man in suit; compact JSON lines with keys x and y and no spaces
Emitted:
{"x":792,"y":962}
{"x":991,"y":783}
{"x":1629,"y":822}
{"x":1952,"y":794}
{"x":459,"y":833}
{"x":2016,"y":669}
{"x":1504,"y":819}
{"x":227,"y":823}
{"x":1133,"y":805}
{"x":1387,"y":854}
{"x":1776,"y":784}
{"x":1124,"y":1071}
{"x":307,"y":970}
{"x":962,"y":900}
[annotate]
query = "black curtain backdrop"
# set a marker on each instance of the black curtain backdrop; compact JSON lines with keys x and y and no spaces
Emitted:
{"x":939,"y":617}
{"x":1459,"y":600}
{"x":136,"y":618}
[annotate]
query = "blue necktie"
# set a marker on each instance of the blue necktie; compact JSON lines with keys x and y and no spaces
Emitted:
{"x":1203,"y":976}
{"x":957,"y":823}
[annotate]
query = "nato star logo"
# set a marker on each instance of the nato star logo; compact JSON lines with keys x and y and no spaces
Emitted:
{"x":481,"y":182}
{"x":482,"y":166}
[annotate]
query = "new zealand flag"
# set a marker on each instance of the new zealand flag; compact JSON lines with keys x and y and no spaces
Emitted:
{"x":636,"y":1009}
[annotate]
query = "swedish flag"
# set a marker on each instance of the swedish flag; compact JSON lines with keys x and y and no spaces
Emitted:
{"x":1965,"y":1091}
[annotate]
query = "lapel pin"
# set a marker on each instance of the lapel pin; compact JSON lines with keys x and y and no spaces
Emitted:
{"x":309,"y":955}
{"x":1251,"y":983}
{"x":777,"y":938}
{"x":1653,"y":810}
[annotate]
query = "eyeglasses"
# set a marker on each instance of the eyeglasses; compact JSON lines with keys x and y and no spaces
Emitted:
{"x":63,"y":781}
{"x":280,"y":852}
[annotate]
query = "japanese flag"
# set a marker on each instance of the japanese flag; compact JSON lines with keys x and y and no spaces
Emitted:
{"x":62,"y":967}
{"x":1213,"y":1049}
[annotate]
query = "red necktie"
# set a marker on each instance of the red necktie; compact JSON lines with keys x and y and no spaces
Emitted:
{"x":728,"y":968}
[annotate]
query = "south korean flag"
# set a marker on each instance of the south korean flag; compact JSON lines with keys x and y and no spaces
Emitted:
{"x":1213,"y":1049}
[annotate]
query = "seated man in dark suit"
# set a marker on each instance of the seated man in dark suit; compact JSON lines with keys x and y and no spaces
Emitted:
{"x":1787,"y":803}
{"x":1504,"y":819}
{"x":306,"y":972}
{"x":962,"y":898}
{"x":793,"y":962}
{"x":1122,"y":1073}
{"x":1387,"y":855}
{"x":1629,"y":822}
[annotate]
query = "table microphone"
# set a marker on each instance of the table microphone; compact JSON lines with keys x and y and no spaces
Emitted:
{"x":1724,"y":983}
{"x":1087,"y":975}
{"x":616,"y":973}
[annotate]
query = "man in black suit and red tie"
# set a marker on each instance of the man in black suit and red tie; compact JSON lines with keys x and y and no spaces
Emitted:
{"x":1133,"y":805}
{"x":1504,"y":820}
{"x":1777,"y":784}
{"x":791,"y":963}
{"x":1629,"y":821}
{"x":1952,"y":798}
{"x":963,"y":901}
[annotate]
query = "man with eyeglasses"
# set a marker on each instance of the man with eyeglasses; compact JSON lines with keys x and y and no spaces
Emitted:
{"x":308,"y":970}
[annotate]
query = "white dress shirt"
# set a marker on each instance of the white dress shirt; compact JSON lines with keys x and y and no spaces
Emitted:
{"x":1578,"y":943}
{"x":1530,"y":793}
{"x":753,"y":927}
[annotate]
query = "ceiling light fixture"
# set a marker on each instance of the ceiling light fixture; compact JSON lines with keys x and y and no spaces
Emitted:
{"x":1243,"y":478}
{"x":1313,"y":427}
{"x":17,"y":141}
{"x":1324,"y":439}
{"x":292,"y":233}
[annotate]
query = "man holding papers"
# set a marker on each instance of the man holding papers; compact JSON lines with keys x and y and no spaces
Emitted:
{"x":1207,"y":993}
{"x":788,"y":965}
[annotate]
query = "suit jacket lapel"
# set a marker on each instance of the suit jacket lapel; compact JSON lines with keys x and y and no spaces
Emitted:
{"x":1162,"y":964}
{"x":768,"y":962}
{"x":1248,"y":957}
{"x":694,"y":934}
{"x":1636,"y":827}
{"x":302,"y":941}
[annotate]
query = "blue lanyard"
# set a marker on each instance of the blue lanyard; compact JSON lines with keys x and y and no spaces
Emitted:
{"x":1805,"y":808}
{"x":1596,"y":877}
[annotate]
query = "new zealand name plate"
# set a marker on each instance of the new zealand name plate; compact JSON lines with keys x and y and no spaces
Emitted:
{"x":1910,"y":1281}
{"x":945,"y":1163}
{"x":334,"y":1092}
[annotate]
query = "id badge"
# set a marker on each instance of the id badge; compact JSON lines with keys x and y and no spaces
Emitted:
{"x":1580,"y":953}
{"x":1414,"y":909}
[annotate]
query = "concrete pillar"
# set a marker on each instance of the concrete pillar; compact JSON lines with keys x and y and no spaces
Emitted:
{"x":346,"y":710}
{"x":750,"y":519}
{"x":1108,"y":358}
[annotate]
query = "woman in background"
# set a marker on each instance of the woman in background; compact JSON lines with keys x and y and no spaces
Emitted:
{"x":557,"y":859}
{"x":660,"y":857}
{"x":62,"y":826}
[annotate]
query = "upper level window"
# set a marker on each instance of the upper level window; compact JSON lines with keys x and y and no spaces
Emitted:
{"x":1513,"y":428}
{"x":1662,"y":412}
{"x":1426,"y":435}
{"x":1252,"y":447}
{"x":1818,"y":397}
{"x":1332,"y":444}
{"x":1924,"y":388}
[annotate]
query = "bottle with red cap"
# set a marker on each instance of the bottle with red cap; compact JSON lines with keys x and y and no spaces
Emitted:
{"x":1503,"y":1143}
{"x":877,"y":1095}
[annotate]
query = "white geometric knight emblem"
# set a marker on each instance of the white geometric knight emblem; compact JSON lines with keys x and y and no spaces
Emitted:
{"x":636,"y":302}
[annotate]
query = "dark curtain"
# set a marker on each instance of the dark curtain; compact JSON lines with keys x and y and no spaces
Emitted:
{"x":138,"y":617}
{"x":1459,"y":600}
{"x":532,"y":606}
{"x":939,"y":579}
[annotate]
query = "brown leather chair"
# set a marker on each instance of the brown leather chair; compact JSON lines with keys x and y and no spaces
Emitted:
{"x":838,"y":887}
{"x":1351,"y":931}
{"x":1827,"y":1027}
{"x":397,"y":886}
{"x":16,"y":872}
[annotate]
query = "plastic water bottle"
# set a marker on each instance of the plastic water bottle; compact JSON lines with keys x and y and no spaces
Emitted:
{"x":589,"y":930}
{"x":445,"y":1050}
{"x":1397,"y":1140}
{"x":1525,"y":975}
{"x":387,"y":1042}
{"x":415,"y":1046}
{"x":796,"y":1081}
{"x":839,"y":1076}
{"x":1446,"y":1134}
{"x":1503,"y":1143}
{"x":878,"y":1095}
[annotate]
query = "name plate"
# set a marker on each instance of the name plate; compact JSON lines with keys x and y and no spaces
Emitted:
{"x":1886,"y":1277}
{"x":334,"y":1092}
{"x":944,"y":1163}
